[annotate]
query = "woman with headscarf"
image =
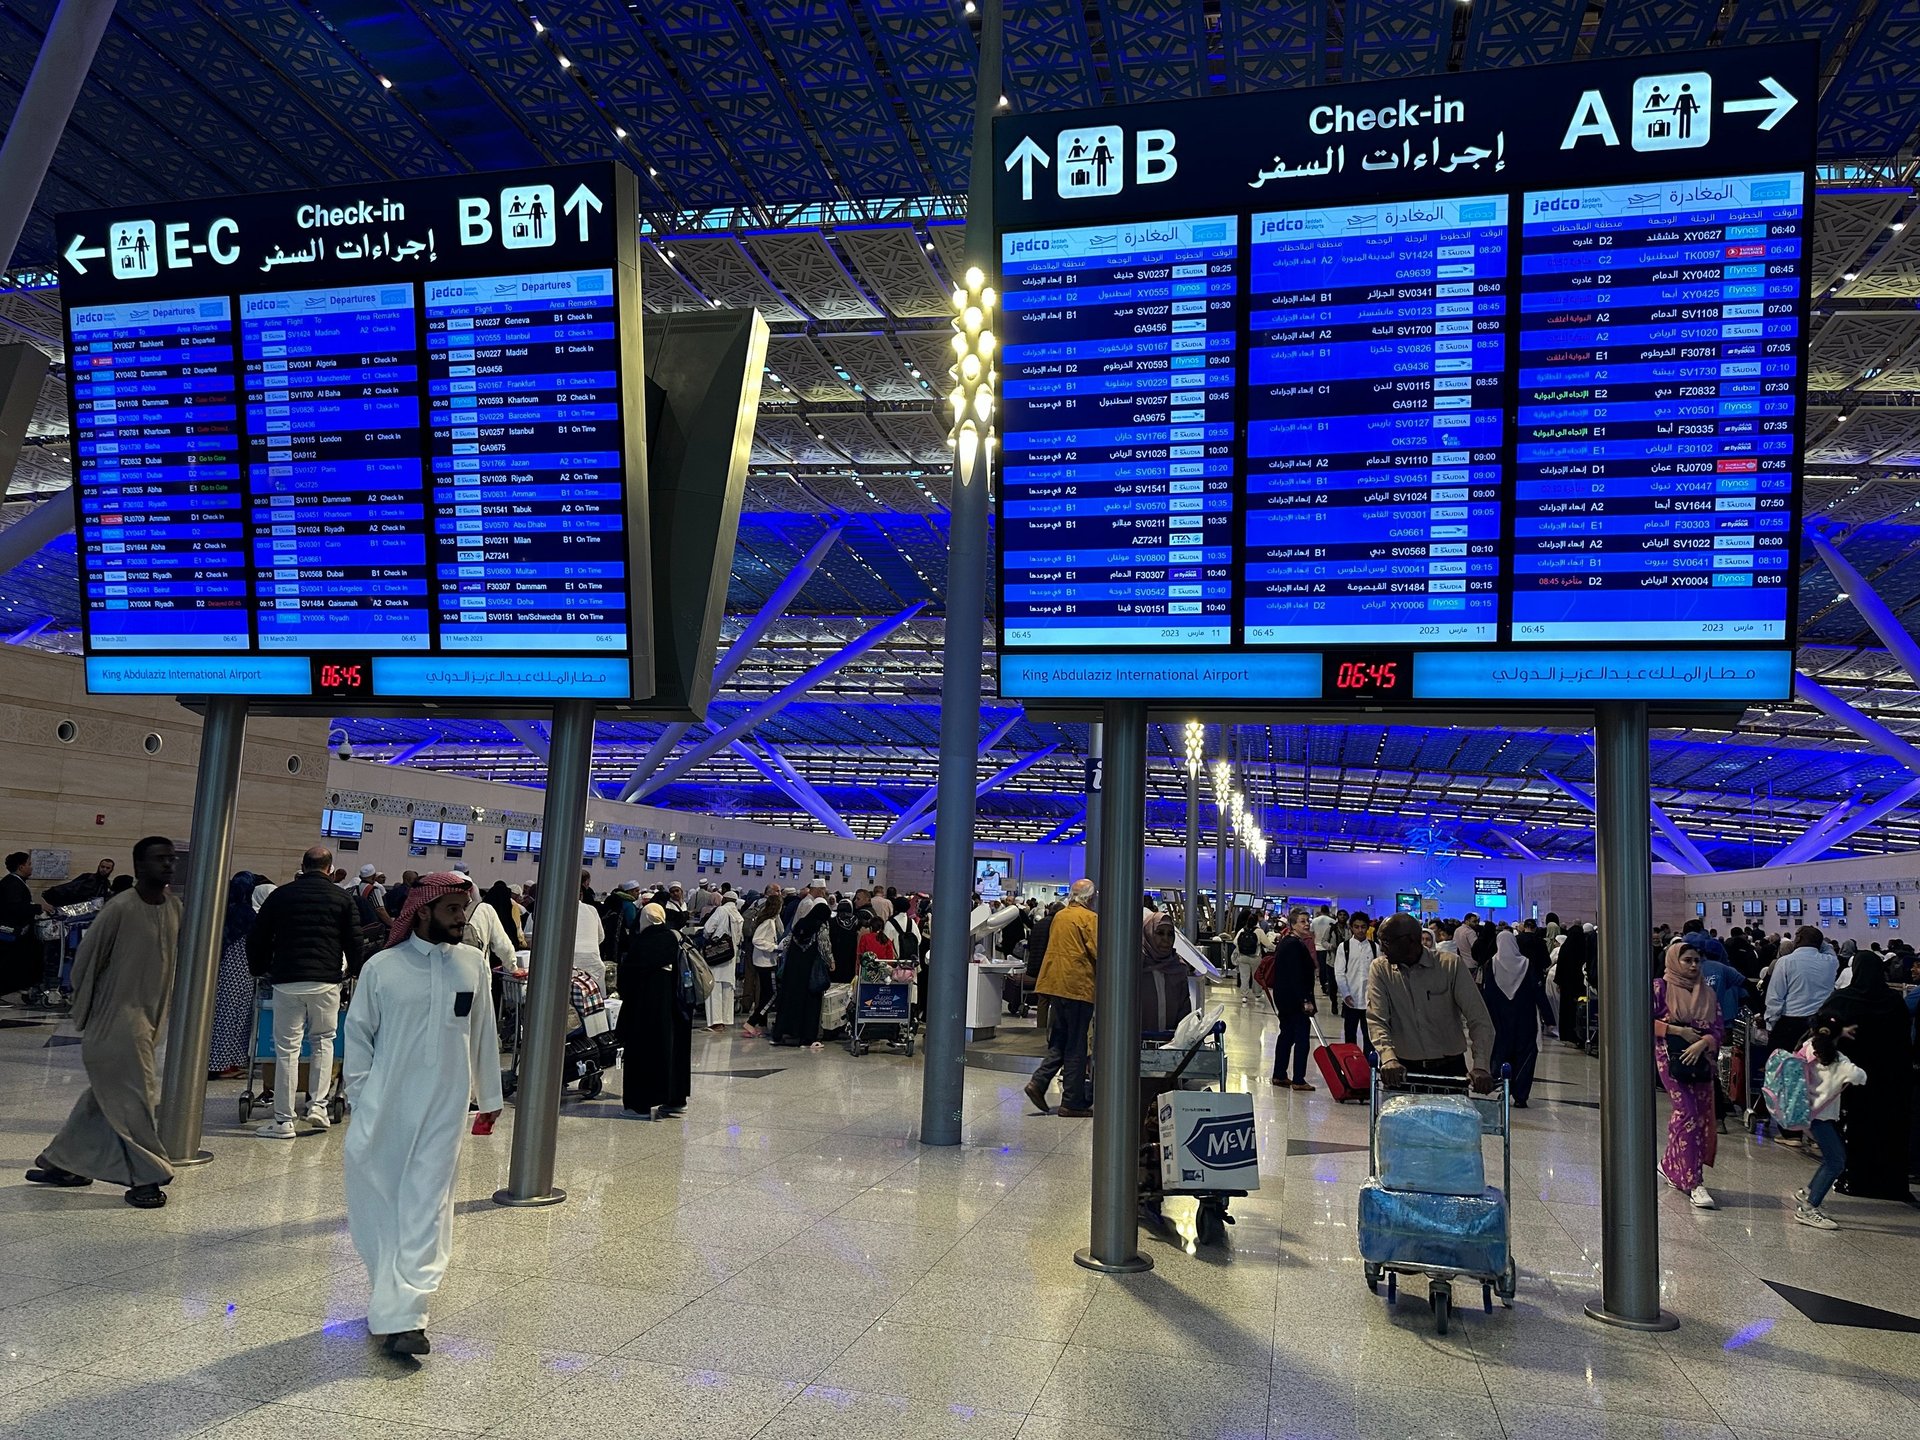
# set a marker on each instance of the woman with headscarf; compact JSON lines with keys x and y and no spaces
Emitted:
{"x":655,"y":1030}
{"x":234,"y":989}
{"x":796,"y":1012}
{"x":1687,"y":1030}
{"x":1875,"y":1117}
{"x":1570,"y":978}
{"x":843,"y":931}
{"x":1484,"y":941}
{"x":499,"y":899}
{"x":1164,"y":994}
{"x":766,"y":934}
{"x":1513,"y":989}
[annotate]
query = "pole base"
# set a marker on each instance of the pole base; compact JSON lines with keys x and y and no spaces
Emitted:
{"x":1661,"y":1321}
{"x":529,"y":1202}
{"x":1132,"y":1265}
{"x":199,"y":1157}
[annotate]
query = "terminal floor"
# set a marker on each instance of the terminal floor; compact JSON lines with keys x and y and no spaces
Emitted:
{"x":785,"y":1261}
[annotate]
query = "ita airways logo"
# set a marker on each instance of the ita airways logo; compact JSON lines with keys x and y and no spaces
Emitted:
{"x":1223,"y":1143}
{"x":1096,"y":160}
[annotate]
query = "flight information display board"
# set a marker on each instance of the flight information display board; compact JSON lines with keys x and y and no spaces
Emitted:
{"x":376,"y":444}
{"x":1354,"y":397}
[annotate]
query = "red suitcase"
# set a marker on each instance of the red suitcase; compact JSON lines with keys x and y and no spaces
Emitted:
{"x":1343,"y":1067}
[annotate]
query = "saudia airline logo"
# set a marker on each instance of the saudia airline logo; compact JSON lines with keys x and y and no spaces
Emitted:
{"x":1224,"y":1144}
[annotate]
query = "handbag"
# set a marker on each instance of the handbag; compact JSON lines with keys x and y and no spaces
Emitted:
{"x":821,"y":976}
{"x":717,"y":949}
{"x":1686,"y":1072}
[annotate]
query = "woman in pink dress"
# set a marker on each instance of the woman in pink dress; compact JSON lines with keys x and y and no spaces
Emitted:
{"x":1687,"y":1030}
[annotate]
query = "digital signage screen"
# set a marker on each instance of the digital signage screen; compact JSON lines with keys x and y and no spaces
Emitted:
{"x":1469,"y":388}
{"x":612,"y":849}
{"x":516,"y":842}
{"x":1490,"y":893}
{"x":452,"y":834}
{"x":343,"y":824}
{"x":590,"y":847}
{"x":426,"y":832}
{"x":370,"y":444}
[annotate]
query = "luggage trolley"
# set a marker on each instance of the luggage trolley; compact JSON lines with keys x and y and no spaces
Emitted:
{"x":590,"y":1048}
{"x":882,"y":1001}
{"x":1200,"y":1066}
{"x":332,"y":1094}
{"x":1445,"y":1253}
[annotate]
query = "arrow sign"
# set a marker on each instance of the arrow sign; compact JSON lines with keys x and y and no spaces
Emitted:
{"x":1024,"y":154}
{"x":79,"y":251}
{"x":1777,"y":100}
{"x":583,"y":200}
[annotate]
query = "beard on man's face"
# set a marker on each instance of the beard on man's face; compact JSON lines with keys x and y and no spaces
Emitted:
{"x":445,"y":932}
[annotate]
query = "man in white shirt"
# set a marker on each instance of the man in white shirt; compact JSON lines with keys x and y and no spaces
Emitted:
{"x":1323,"y":928}
{"x":1351,"y":963}
{"x":725,"y":923}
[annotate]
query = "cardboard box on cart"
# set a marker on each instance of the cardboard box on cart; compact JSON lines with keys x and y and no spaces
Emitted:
{"x":1207,"y":1141}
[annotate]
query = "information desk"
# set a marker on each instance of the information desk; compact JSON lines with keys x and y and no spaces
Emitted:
{"x":1352,"y":398}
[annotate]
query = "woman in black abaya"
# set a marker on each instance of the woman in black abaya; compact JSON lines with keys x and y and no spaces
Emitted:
{"x":656,"y":1033}
{"x":1570,"y":976}
{"x":1875,"y":1117}
{"x":796,"y":1014}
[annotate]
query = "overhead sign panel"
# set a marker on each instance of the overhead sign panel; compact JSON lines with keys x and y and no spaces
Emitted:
{"x":1472,"y":389}
{"x":375,"y":444}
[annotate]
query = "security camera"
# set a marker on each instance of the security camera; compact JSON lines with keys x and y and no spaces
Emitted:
{"x":342,"y":746}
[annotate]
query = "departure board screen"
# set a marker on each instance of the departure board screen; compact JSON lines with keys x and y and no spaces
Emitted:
{"x":1489,"y":383}
{"x":396,"y":435}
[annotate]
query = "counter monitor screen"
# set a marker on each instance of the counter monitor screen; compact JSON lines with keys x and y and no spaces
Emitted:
{"x":1889,"y":905}
{"x":1468,"y":388}
{"x":515,"y":842}
{"x":653,"y":854}
{"x":452,"y":834}
{"x":612,"y":848}
{"x":363,"y":445}
{"x":426,"y":832}
{"x":719,"y":857}
{"x":670,"y":853}
{"x":1795,"y":906}
{"x":590,"y":847}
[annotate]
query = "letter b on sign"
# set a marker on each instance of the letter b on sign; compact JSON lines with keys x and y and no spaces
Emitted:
{"x":1153,"y":157}
{"x":476,"y":228}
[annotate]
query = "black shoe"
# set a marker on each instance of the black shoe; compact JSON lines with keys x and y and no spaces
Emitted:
{"x":146,"y":1197}
{"x":45,"y":1172}
{"x":408,"y":1342}
{"x":1038,"y":1096}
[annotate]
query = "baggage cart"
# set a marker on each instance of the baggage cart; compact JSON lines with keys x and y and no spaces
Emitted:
{"x":257,"y":1096}
{"x":882,"y":1009}
{"x":590,"y":1049}
{"x":1496,"y":1118}
{"x":1201,"y":1065}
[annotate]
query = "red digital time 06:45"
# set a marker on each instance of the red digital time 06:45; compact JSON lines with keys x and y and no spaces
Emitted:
{"x":1367,"y":677}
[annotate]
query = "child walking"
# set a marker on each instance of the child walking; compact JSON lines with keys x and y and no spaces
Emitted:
{"x":1828,"y":1075}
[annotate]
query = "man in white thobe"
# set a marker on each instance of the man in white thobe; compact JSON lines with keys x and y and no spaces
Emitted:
{"x":420,"y":1044}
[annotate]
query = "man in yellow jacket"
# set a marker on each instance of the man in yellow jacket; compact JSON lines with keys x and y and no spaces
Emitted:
{"x":1066,"y":975}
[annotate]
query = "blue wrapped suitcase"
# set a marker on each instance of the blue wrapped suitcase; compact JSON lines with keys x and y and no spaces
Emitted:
{"x":1430,"y":1144}
{"x":1467,"y":1233}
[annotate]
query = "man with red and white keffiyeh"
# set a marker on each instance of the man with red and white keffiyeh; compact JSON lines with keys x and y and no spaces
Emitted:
{"x":420,"y":1045}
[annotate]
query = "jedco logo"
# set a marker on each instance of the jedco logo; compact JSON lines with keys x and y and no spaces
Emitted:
{"x":1093,"y":160}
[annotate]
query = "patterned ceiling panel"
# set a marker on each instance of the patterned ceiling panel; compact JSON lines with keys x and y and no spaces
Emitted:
{"x":725,"y":272}
{"x":50,"y":410}
{"x":526,"y":78}
{"x":663,"y":288}
{"x":1868,"y":434}
{"x":921,"y":438}
{"x":1273,"y":44}
{"x":1844,"y":226}
{"x":80,"y":162}
{"x":1763,"y":22}
{"x":1893,"y":274}
{"x":808,"y":270}
{"x":796,"y":439}
{"x":893,"y":262}
{"x":931,"y":352}
{"x":605,"y":37}
{"x":1504,"y":33}
{"x":1900,"y":372}
{"x":929,"y":49}
{"x":1904,"y":451}
{"x":1049,"y":56}
{"x":855,"y":435}
{"x":950,"y":243}
{"x":33,"y":316}
{"x":1388,"y":38}
{"x":1648,"y":27}
{"x":872,"y":361}
{"x":824,"y":60}
{"x":722,"y":63}
{"x":805,"y":371}
{"x":1871,"y":107}
{"x":309,"y":55}
{"x":1162,"y":45}
{"x":1849,"y":345}
{"x":226,"y":68}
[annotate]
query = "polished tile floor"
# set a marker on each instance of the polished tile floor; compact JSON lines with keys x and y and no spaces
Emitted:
{"x":786,"y":1262}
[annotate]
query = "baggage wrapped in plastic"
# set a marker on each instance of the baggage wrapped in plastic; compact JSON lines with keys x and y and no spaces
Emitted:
{"x":1467,"y":1233}
{"x":1430,"y":1144}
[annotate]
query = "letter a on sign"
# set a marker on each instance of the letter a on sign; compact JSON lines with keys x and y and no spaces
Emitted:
{"x":1590,"y":117}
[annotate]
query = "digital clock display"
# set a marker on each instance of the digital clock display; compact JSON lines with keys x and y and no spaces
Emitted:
{"x":342,"y":676}
{"x":1372,"y":675}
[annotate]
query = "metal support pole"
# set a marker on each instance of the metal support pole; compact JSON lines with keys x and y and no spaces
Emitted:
{"x":1115,"y":1244}
{"x":943,"y":1085}
{"x":1193,"y":852}
{"x":216,"y":792}
{"x":1629,"y":1222}
{"x":40,"y":119}
{"x":536,"y":1104}
{"x":1223,"y":916}
{"x":1091,"y":830}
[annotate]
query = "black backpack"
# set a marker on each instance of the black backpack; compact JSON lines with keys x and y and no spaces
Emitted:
{"x":906,"y":944}
{"x":1247,"y":943}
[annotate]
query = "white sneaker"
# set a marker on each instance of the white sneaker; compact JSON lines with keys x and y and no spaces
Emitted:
{"x":1807,"y":1215}
{"x":1700,"y":1199}
{"x":276,"y":1130}
{"x":314,"y":1121}
{"x":1800,"y":1197}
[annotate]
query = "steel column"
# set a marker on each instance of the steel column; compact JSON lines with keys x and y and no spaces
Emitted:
{"x":40,"y":119}
{"x":1091,"y":831}
{"x":1116,"y":1007}
{"x":943,"y":1088}
{"x":536,"y":1108}
{"x":1629,"y":1221}
{"x":923,"y":802}
{"x":1843,"y":822}
{"x":216,"y":793}
{"x":1875,"y":611}
{"x":1193,"y":852}
{"x":992,"y":782}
